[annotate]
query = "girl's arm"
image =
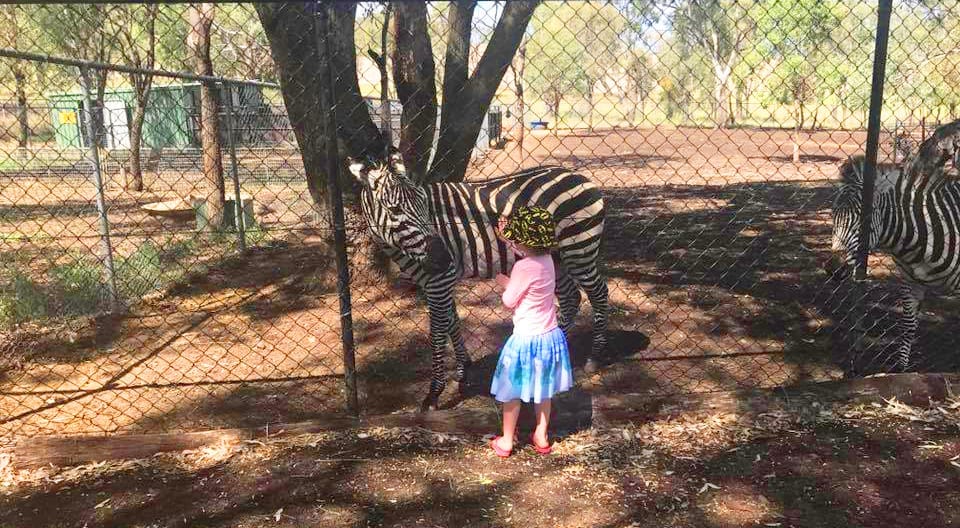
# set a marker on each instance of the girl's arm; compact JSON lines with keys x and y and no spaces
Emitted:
{"x":520,"y":278}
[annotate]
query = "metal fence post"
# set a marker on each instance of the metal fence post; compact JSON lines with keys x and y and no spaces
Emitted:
{"x":238,"y":219}
{"x":870,"y":171}
{"x":873,"y":134}
{"x":322,"y":28}
{"x":106,"y":249}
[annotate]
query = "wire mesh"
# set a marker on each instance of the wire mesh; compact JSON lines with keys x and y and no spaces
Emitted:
{"x":714,"y":130}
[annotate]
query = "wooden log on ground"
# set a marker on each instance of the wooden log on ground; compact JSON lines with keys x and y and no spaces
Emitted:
{"x":580,"y":410}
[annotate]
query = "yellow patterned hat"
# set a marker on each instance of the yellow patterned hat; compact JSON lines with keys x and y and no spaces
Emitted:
{"x":533,"y":227}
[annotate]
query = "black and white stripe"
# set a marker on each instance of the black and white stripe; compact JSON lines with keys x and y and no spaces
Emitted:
{"x":441,"y":233}
{"x":915,"y":218}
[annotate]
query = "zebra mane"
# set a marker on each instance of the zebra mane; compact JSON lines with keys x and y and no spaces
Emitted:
{"x":851,"y":170}
{"x":851,"y":173}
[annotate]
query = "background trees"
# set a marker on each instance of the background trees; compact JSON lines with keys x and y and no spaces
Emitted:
{"x":798,"y":64}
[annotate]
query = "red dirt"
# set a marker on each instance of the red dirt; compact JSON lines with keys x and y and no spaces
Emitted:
{"x":716,"y":245}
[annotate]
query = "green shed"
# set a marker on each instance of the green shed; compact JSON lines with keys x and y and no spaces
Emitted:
{"x":172,"y":119}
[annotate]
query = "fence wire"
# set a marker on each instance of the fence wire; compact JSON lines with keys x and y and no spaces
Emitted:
{"x":204,"y":292}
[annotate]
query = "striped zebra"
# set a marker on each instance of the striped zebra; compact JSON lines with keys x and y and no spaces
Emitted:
{"x":915,"y":218}
{"x":440,"y":233}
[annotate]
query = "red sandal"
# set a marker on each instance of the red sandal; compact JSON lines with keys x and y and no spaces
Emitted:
{"x":541,"y":450}
{"x":502,"y":453}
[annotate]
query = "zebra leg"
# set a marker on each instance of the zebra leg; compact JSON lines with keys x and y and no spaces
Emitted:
{"x":439,"y":304}
{"x":600,"y":302}
{"x":460,"y":349}
{"x":569,"y":296}
{"x":595,"y":285}
{"x":910,"y":297}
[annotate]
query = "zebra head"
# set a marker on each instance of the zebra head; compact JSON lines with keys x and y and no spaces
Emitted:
{"x":398,"y":213}
{"x":848,"y":206}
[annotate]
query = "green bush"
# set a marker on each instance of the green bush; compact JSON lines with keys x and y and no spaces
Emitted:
{"x":79,"y":287}
{"x":140,"y":273}
{"x":21,"y":299}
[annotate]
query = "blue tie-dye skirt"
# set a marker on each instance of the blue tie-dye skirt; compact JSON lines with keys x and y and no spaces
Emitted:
{"x":532,"y":368}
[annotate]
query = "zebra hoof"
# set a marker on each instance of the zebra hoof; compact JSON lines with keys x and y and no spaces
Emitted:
{"x":430,"y":403}
{"x":591,"y":366}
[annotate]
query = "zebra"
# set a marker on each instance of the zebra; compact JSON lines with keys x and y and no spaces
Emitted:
{"x":440,"y":233}
{"x":915,"y":218}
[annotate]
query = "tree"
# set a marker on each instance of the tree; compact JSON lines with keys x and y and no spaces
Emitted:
{"x":517,"y":66}
{"x":795,"y":33}
{"x":241,"y":44}
{"x":381,"y":60}
{"x":413,"y":73}
{"x":83,"y":32}
{"x":294,"y":33}
{"x":573,"y":48}
{"x":296,"y":36}
{"x":198,"y":39}
{"x":640,"y":76}
{"x":12,"y":20}
{"x":136,"y":29}
{"x":467,"y":95}
{"x":720,"y":29}
{"x":557,"y":58}
{"x":599,"y":26}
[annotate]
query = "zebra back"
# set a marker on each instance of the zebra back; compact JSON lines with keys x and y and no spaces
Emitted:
{"x":465,"y":215}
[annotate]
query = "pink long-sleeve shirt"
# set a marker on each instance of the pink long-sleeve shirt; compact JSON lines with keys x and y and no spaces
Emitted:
{"x":530,"y":294}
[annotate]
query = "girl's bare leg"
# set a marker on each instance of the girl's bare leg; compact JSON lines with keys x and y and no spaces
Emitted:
{"x":511,"y":413}
{"x":542,"y":410}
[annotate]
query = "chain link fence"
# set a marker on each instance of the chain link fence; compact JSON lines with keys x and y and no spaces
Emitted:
{"x":167,"y":255}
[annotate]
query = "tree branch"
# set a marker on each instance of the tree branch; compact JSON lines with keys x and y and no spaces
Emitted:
{"x":457,"y":62}
{"x":463,"y":112}
{"x":503,"y":45}
{"x":413,"y":73}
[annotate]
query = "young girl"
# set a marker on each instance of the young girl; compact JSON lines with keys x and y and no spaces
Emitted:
{"x":535,"y":362}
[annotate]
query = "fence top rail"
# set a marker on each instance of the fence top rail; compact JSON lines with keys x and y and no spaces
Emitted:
{"x":81,"y":63}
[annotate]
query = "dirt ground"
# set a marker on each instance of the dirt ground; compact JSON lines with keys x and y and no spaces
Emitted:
{"x":717,"y":245}
{"x":821,"y":465}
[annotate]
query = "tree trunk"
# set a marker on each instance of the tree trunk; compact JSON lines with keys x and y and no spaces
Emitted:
{"x":386,"y":116}
{"x":292,"y":34}
{"x":721,"y":101}
{"x":557,"y":100}
{"x":23,"y":140}
{"x":97,"y":114}
{"x":413,"y":73}
{"x":518,"y":83}
{"x":467,"y":99}
{"x":136,"y":135}
{"x":741,"y":104}
{"x":796,"y":132}
{"x":89,"y":85}
{"x":139,"y":56}
{"x":356,"y":130}
{"x":293,"y":45}
{"x":590,"y":105}
{"x":201,"y":20}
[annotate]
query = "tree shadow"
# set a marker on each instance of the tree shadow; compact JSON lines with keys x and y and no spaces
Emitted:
{"x":737,"y":266}
{"x":834,"y":473}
